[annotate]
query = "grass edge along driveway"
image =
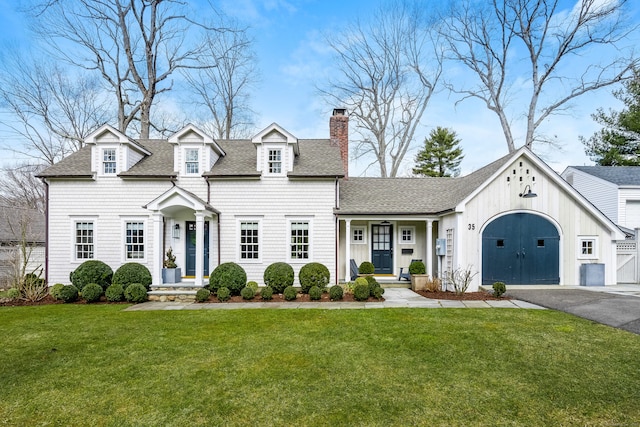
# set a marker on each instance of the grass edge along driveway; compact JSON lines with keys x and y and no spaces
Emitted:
{"x":98,"y":365}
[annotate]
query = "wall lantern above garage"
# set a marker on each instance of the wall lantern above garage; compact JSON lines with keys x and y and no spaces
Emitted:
{"x":527,"y":194}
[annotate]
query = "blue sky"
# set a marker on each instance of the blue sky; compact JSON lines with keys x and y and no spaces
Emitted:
{"x":293,"y":58}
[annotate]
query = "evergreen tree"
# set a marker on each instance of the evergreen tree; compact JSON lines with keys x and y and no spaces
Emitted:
{"x":618,"y":142}
{"x":441,"y":155}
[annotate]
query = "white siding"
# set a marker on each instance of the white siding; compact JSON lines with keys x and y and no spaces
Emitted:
{"x":629,"y":207}
{"x":603,"y":194}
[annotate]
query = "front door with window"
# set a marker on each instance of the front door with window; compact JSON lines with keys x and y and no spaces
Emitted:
{"x":191,"y":248}
{"x":382,"y":248}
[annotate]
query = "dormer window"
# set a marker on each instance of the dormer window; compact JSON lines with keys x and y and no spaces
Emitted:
{"x":191,"y":164}
{"x":109,"y":161}
{"x":275,"y":161}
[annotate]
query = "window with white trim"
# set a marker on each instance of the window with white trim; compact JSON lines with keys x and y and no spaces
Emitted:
{"x":407,"y":235}
{"x":109,"y":166}
{"x":134,"y":240}
{"x":249,"y":240}
{"x":588,"y":247}
{"x":191,"y":162}
{"x":275,"y":161}
{"x":299,"y":244}
{"x":358,"y":235}
{"x":84,"y":242}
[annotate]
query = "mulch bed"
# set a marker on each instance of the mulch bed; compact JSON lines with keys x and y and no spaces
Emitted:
{"x":48,"y":300}
{"x":467,"y":296}
{"x":280,"y":298}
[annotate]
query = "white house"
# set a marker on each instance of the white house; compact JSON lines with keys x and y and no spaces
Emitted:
{"x":275,"y":197}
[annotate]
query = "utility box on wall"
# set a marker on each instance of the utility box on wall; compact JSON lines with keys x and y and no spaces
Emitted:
{"x":441,"y":247}
{"x":592,"y":275}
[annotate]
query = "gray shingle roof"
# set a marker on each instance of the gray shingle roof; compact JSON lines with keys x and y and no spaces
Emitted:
{"x":159,"y":164}
{"x":239,"y":161}
{"x":12,"y":221}
{"x":76,"y":165}
{"x":619,"y":175}
{"x":402,"y":196}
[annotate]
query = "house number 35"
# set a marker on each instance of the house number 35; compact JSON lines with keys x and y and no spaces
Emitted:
{"x":471,"y":226}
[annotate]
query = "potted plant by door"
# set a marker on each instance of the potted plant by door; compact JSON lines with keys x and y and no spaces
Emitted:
{"x":419,"y":278}
{"x":171,"y":273}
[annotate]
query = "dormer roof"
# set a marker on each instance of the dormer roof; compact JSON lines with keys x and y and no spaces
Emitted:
{"x":191,"y":134}
{"x":275,"y":133}
{"x":108,"y":134}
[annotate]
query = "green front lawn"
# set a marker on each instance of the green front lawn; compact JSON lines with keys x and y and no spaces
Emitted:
{"x":97,"y":365}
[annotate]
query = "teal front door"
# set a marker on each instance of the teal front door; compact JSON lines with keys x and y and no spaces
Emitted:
{"x":191,"y":248}
{"x":382,"y":248}
{"x":521,"y":249}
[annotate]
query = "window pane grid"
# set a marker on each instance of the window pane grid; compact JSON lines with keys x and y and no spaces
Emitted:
{"x":84,"y":240}
{"x":109,"y":160}
{"x":249,"y":244}
{"x":191,"y":161}
{"x":275,"y":161}
{"x":299,"y":240}
{"x":134,"y":245}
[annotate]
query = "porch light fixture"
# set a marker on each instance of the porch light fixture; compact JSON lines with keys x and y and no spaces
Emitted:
{"x":385,"y":223}
{"x":176,"y":231}
{"x":527,"y":194}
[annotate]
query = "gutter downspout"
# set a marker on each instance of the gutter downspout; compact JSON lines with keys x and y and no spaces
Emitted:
{"x":46,"y":231}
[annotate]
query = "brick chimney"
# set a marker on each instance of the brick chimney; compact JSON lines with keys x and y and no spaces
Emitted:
{"x":339,"y":134}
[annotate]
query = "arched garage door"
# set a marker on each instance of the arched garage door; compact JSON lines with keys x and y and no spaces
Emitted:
{"x":520,"y":249}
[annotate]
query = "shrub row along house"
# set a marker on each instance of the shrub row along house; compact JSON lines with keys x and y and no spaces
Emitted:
{"x":275,"y":197}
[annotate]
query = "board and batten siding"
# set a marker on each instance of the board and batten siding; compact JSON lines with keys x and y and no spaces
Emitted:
{"x":274,"y":202}
{"x":501,"y":196}
{"x":106,"y":201}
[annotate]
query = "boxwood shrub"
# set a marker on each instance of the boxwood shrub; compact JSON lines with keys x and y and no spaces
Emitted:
{"x":223,"y":293}
{"x":92,"y":292}
{"x":417,"y":267}
{"x":92,"y":271}
{"x":203,"y":295}
{"x":499,"y":288}
{"x":132,"y":272}
{"x":229,"y":275}
{"x":114,"y":293}
{"x":253,"y":285}
{"x":136,"y":293}
{"x":313,"y":274}
{"x":55,"y":290}
{"x":361,"y":292}
{"x":336,"y":293}
{"x":315,"y":293}
{"x":247,"y":293}
{"x":279,"y":276}
{"x":267,"y":293}
{"x":366,"y":268}
{"x":290,"y":293}
{"x":69,"y":293}
{"x":13,"y":293}
{"x":377,"y":292}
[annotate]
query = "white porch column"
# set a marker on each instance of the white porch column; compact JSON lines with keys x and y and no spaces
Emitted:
{"x":158,"y":253}
{"x":199,"y":249}
{"x":347,"y":250}
{"x":429,"y":249}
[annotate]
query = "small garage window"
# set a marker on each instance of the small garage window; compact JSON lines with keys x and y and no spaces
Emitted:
{"x":541,"y":243}
{"x":500,"y":243}
{"x":588,"y":247}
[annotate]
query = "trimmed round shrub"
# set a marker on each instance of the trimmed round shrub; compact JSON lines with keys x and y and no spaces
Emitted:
{"x":366,"y":268}
{"x":267,"y":293}
{"x":279,"y":276}
{"x":336,"y":293}
{"x":132,"y":272}
{"x":136,"y":293}
{"x":69,"y":293}
{"x":361,"y":292}
{"x":499,"y":288}
{"x":290,"y":293}
{"x":54,"y":291}
{"x":417,"y":267}
{"x":114,"y":293}
{"x":377,"y":292}
{"x":315,"y":293}
{"x":13,"y":293}
{"x":247,"y":293}
{"x":313,"y":274}
{"x":229,"y":275}
{"x":361,"y":281}
{"x":92,"y":292}
{"x":92,"y":271}
{"x":253,"y":285}
{"x":203,"y":295}
{"x":224,"y":294}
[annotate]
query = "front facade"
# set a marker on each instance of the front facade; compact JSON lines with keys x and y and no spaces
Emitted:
{"x":279,"y":198}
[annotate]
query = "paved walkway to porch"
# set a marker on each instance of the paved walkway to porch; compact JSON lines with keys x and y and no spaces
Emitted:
{"x":393,"y":298}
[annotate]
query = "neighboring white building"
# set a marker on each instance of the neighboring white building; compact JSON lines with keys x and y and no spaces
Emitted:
{"x":275,"y":197}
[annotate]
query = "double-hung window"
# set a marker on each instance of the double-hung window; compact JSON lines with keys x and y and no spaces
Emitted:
{"x":134,"y":240}
{"x":109,"y":161}
{"x":84,"y":242}
{"x":299,"y":244}
{"x":249,"y":240}
{"x":275,"y":161}
{"x":191,"y":163}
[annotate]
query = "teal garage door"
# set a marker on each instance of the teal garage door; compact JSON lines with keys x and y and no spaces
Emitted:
{"x":521,"y":249}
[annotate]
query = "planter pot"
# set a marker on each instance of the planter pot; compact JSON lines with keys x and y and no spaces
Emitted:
{"x":419,"y":282}
{"x":171,"y":275}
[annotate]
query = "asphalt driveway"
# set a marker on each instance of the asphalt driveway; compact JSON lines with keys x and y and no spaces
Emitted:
{"x":618,"y":309}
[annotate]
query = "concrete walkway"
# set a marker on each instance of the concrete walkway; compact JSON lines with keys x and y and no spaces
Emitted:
{"x":394,"y":298}
{"x":617,"y":306}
